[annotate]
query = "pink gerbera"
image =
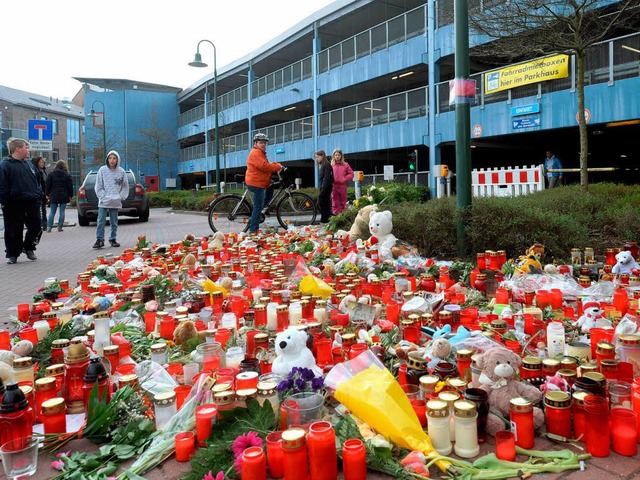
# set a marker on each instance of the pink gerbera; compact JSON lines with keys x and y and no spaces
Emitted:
{"x":209,"y":476}
{"x":240,"y":444}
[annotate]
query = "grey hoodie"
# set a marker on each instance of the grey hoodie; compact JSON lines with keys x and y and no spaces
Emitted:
{"x":112,"y":185}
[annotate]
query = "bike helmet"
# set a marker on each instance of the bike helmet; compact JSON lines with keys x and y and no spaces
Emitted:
{"x":260,"y":137}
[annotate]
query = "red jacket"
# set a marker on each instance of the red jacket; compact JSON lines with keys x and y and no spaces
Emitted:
{"x":259,"y":169}
{"x":342,"y":173}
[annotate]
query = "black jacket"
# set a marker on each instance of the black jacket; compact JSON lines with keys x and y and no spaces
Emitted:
{"x":326,"y":177}
{"x":59,"y":186}
{"x":18,"y":182}
{"x":41,"y":174}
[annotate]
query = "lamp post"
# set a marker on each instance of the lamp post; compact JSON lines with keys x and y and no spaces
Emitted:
{"x":197,"y":62}
{"x":93,"y":114}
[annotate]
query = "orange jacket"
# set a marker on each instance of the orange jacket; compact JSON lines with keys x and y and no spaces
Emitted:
{"x":259,"y":169}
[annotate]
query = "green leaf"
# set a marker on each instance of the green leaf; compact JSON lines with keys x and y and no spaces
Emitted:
{"x":132,"y":476}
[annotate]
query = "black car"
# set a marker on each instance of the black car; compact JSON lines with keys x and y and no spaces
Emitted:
{"x":135,"y":205}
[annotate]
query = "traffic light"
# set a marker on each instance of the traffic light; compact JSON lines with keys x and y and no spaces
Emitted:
{"x":413,"y":160}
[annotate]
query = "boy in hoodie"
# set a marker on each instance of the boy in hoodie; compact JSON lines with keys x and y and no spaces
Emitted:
{"x":112,"y":187}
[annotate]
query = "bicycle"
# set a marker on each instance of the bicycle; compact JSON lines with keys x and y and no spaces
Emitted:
{"x":231,"y":212}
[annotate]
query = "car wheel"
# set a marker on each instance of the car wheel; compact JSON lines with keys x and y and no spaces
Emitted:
{"x":144,"y":216}
{"x":83,"y":221}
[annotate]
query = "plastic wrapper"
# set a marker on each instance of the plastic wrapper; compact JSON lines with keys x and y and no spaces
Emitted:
{"x":299,"y":271}
{"x":311,"y":285}
{"x":571,"y":290}
{"x":372,"y":394}
{"x":418,"y":305}
{"x":154,"y":378}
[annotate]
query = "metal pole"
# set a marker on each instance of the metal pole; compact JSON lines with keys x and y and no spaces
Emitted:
{"x":463,"y":123}
{"x":206,"y":134}
{"x":215,"y":107}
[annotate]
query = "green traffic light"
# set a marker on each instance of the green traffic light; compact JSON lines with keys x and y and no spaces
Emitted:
{"x":412,"y":166}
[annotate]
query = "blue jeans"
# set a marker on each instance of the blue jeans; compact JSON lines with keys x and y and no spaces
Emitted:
{"x":52,"y":214}
{"x":102,"y":221}
{"x":261,"y":197}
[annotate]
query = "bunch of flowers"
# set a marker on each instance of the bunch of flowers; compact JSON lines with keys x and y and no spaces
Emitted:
{"x":372,"y":195}
{"x":300,"y":380}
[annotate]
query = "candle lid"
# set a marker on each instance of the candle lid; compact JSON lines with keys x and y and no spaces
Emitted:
{"x":53,"y":406}
{"x":578,"y":397}
{"x":415,"y":361}
{"x":588,"y":367}
{"x":246,"y":393}
{"x":557,"y":399}
{"x":165,"y":398}
{"x":130,"y":380}
{"x":45,"y":384}
{"x":568,"y":362}
{"x":282,"y":308}
{"x":629,"y":340}
{"x":60,"y":343}
{"x":437,"y":408}
{"x":428,"y":381}
{"x":568,"y":374}
{"x":110,"y":349}
{"x":293,"y":438}
{"x":532,"y":362}
{"x":23,"y":362}
{"x":464,"y":409}
{"x":449,"y":396}
{"x":51,"y":315}
{"x":457,"y":382}
{"x":26,"y":389}
{"x":521,"y":404}
{"x":158,"y":348}
{"x":53,"y":370}
{"x":464,"y":354}
{"x":224,"y":397}
{"x":267,"y":388}
{"x":605,"y":347}
{"x":550,"y":362}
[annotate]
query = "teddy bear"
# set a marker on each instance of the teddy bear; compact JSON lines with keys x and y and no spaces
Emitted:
{"x":592,"y":316}
{"x":380,"y":227}
{"x":360,"y":225}
{"x":498,"y":379}
{"x":184,"y":332}
{"x":625,"y":263}
{"x":292,"y":350}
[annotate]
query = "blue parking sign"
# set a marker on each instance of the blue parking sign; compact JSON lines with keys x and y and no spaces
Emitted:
{"x":41,"y":130}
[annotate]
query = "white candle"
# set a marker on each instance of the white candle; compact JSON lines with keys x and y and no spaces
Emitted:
{"x":320,"y":314}
{"x":257,"y":293}
{"x":42,"y":327}
{"x":272,"y":318}
{"x":295,"y":313}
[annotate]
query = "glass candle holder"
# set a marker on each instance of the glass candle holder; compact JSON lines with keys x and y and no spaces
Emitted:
{"x":354,"y":460}
{"x":209,"y":356}
{"x":164,"y":408}
{"x":275,"y":456}
{"x":20,"y":456}
{"x":597,"y":431}
{"x":185,"y":446}
{"x":54,"y":416}
{"x":323,"y":459}
{"x":624,"y":432}
{"x":205,"y":415}
{"x":521,"y":416}
{"x":295,"y":456}
{"x":254,"y":464}
{"x":465,"y":419}
{"x":557,"y":409}
{"x":480,"y":398}
{"x":420,"y":408}
{"x":505,"y":445}
{"x":438,"y":423}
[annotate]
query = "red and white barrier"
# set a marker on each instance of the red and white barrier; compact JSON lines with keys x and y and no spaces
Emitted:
{"x":507,"y":182}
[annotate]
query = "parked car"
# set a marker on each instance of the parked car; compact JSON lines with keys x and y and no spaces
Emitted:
{"x":135,"y":205}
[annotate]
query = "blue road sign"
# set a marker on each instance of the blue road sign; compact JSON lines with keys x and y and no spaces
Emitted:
{"x":518,"y":123}
{"x":41,"y":130}
{"x":279,"y":149}
{"x":525,"y":109}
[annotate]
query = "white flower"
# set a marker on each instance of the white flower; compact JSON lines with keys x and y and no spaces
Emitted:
{"x":382,"y":190}
{"x":372,"y":188}
{"x":370,"y":198}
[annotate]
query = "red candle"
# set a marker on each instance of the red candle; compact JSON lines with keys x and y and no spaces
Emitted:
{"x":295,"y":456}
{"x":260,"y":315}
{"x":354,"y":460}
{"x":29,"y":333}
{"x":222,"y":336}
{"x":521,"y":416}
{"x":356,"y":349}
{"x":557,"y":410}
{"x":245,"y":380}
{"x":323,"y":459}
{"x":635,"y":400}
{"x":251,"y":345}
{"x":505,"y":445}
{"x":182,"y":392}
{"x":598,"y":433}
{"x":204,"y":419}
{"x":275,"y":455}
{"x":624,"y":434}
{"x":579,"y":415}
{"x":185,"y":446}
{"x":254,"y":464}
{"x":46,"y":389}
{"x":393,"y":312}
{"x":420,"y":407}
{"x":167,"y":326}
{"x":149,"y":321}
{"x":323,"y":352}
{"x":54,"y":416}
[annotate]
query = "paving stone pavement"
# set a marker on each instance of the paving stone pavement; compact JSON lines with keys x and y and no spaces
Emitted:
{"x":65,"y":254}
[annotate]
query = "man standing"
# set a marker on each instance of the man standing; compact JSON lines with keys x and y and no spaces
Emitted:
{"x":554,"y":179}
{"x":258,"y":178}
{"x":21,"y":197}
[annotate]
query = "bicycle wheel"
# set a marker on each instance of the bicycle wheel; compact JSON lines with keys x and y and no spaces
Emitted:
{"x":229,"y":214}
{"x":296,"y":208}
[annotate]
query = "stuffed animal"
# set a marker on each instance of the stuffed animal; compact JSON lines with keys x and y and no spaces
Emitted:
{"x":361,"y":224}
{"x":380,"y":227}
{"x":592,"y":316}
{"x":216,"y":240}
{"x":184,"y":332}
{"x":291,"y":347}
{"x":498,"y":378}
{"x":625,"y":263}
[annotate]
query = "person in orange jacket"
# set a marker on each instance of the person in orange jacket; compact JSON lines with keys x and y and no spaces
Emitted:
{"x":258,"y":178}
{"x":342,"y":174}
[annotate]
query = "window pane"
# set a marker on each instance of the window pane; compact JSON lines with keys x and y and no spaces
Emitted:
{"x":270,"y":83}
{"x":364,"y":115}
{"x":362,"y":44}
{"x":324,"y":123}
{"x":379,"y":111}
{"x":277,"y":84}
{"x":350,"y":118}
{"x":306,"y":68}
{"x":416,"y":22}
{"x":296,"y":72}
{"x":397,"y":107}
{"x":348,"y":50}
{"x":334,"y":56}
{"x":417,"y":102}
{"x":323,"y":64}
{"x":379,"y":38}
{"x":336,"y":121}
{"x":396,"y":30}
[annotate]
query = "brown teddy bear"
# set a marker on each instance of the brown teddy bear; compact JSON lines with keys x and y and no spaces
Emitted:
{"x":184,"y":332}
{"x":360,"y":227}
{"x":498,"y":377}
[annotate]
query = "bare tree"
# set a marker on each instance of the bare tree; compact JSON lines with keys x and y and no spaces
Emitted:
{"x":529,"y":28}
{"x":155,"y":144}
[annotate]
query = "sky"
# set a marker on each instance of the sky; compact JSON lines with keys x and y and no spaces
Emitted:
{"x":46,"y":43}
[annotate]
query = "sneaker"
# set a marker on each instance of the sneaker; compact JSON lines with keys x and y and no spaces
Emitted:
{"x":49,"y":230}
{"x":31,"y":255}
{"x":60,"y":229}
{"x":98,"y":244}
{"x":114,"y":243}
{"x":12,"y":260}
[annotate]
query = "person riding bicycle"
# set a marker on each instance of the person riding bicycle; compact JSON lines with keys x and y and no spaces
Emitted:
{"x":258,"y":178}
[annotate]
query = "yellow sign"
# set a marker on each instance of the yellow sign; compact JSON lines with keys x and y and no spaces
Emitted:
{"x":536,"y":71}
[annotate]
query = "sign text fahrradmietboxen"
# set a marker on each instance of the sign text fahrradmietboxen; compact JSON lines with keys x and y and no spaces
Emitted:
{"x":540,"y":70}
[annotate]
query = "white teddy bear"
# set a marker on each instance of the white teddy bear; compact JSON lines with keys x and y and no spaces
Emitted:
{"x":592,"y":317}
{"x":291,"y":347}
{"x":625,"y":263}
{"x":380,"y":226}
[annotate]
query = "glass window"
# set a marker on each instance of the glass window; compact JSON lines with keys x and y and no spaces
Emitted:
{"x":445,"y":12}
{"x":73,"y":131}
{"x":277,"y":76}
{"x":286,"y":75}
{"x":270,"y":83}
{"x":364,"y":115}
{"x":417,"y":103}
{"x":334,"y":56}
{"x":379,"y":111}
{"x":379,"y":38}
{"x":362,"y":44}
{"x":297,"y":130}
{"x":396,"y":30}
{"x":397,"y":107}
{"x":55,"y":125}
{"x":336,"y":121}
{"x":324,"y":123}
{"x":323,"y":61}
{"x":350,"y":118}
{"x":306,"y":68}
{"x":348,"y":50}
{"x":296,"y":72}
{"x":416,"y":22}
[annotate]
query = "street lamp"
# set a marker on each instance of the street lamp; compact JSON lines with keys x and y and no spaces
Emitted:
{"x":93,"y":114}
{"x":197,"y":62}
